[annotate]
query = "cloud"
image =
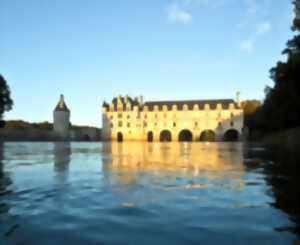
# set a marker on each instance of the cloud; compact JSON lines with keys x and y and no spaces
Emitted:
{"x":177,"y":14}
{"x":261,"y":29}
{"x":247,"y":45}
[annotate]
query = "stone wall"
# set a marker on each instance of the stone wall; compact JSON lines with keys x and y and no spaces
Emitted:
{"x":32,"y":134}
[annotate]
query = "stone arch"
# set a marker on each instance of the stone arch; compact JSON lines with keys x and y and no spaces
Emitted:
{"x":207,"y":135}
{"x":165,"y":135}
{"x":231,"y":135}
{"x":120,"y":137}
{"x":185,"y":135}
{"x":150,"y":136}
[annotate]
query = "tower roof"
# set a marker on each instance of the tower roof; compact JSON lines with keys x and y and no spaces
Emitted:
{"x":61,"y":106}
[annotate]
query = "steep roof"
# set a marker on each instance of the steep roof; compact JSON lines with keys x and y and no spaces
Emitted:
{"x":115,"y":102}
{"x":61,"y":106}
{"x":190,"y":103}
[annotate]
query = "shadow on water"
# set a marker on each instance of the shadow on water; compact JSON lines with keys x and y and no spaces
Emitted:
{"x":5,"y":181}
{"x":282,"y":173}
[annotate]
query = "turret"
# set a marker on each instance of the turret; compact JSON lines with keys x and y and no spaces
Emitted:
{"x":61,"y":118}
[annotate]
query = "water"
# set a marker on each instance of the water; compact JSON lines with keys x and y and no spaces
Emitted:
{"x":138,"y":193}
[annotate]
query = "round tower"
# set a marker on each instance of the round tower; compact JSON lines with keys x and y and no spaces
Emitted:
{"x":61,"y":118}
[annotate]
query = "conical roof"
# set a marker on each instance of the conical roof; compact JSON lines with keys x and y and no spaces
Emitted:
{"x":61,"y":106}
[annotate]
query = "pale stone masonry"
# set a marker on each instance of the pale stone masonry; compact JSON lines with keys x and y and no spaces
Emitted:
{"x":61,"y":118}
{"x":131,"y":119}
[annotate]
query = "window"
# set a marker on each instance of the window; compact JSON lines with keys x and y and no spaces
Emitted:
{"x":145,"y":116}
{"x":128,"y":116}
{"x":128,"y":125}
{"x":155,"y":115}
{"x":111,"y":125}
{"x":196,"y":124}
{"x":231,"y":115}
{"x":119,"y":115}
{"x":231,"y":123}
{"x":111,"y":117}
{"x":174,"y":124}
{"x":155,"y":124}
{"x":145,"y":124}
{"x":120,"y":124}
{"x":165,"y":115}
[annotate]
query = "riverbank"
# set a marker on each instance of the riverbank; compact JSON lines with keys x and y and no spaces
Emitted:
{"x":33,"y":134}
{"x":285,"y":142}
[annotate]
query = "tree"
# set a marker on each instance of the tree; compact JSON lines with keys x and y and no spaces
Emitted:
{"x":6,"y":102}
{"x":281,"y":106}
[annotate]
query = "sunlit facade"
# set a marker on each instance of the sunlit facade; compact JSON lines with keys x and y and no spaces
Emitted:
{"x":126,"y":119}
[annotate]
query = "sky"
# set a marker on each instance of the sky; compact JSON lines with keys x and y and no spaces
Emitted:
{"x":93,"y":50}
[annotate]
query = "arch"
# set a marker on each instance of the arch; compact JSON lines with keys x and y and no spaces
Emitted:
{"x":150,"y":136}
{"x":185,"y":135}
{"x":165,"y":135}
{"x":120,"y":137}
{"x":86,"y":137}
{"x":231,"y":135}
{"x":207,"y":135}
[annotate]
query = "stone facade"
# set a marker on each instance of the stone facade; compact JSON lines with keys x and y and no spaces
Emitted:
{"x":131,"y":119}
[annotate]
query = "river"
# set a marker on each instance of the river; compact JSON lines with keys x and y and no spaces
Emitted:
{"x":139,"y":193}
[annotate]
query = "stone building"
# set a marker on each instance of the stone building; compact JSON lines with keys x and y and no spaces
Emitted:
{"x":61,"y":118}
{"x":191,"y":120}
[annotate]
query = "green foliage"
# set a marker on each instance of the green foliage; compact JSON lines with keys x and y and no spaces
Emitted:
{"x":250,"y":106}
{"x":43,"y":125}
{"x":16,"y":124}
{"x":6,"y":102}
{"x":19,"y":124}
{"x":80,"y":127}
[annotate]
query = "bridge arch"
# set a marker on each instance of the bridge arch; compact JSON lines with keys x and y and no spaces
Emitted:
{"x":165,"y":136}
{"x":231,"y":135}
{"x":119,"y":137}
{"x":150,"y":136}
{"x":207,"y":135}
{"x":185,"y":135}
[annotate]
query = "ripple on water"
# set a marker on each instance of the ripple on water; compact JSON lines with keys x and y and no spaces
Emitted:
{"x":133,"y":193}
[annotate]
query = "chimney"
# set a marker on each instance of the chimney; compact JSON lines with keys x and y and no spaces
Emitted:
{"x":238,"y":98}
{"x":141,"y":100}
{"x":119,"y":99}
{"x":126,"y":98}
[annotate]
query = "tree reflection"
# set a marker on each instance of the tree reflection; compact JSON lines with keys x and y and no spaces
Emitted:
{"x":4,"y":181}
{"x":283,"y":176}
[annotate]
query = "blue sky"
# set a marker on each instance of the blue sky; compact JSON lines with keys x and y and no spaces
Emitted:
{"x":92,"y":50}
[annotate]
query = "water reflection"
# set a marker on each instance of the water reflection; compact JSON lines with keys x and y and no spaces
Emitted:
{"x":5,"y":181}
{"x":175,"y":159}
{"x":140,"y":156}
{"x":62,"y":157}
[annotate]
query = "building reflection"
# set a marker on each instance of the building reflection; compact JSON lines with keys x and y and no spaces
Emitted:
{"x":62,"y":157}
{"x":141,"y":156}
{"x":209,"y":160}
